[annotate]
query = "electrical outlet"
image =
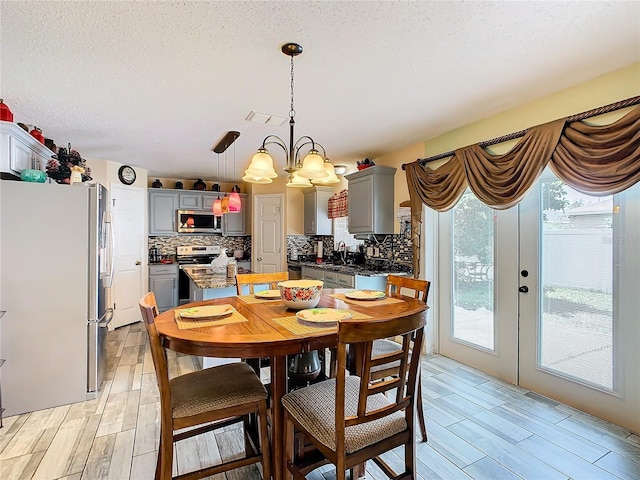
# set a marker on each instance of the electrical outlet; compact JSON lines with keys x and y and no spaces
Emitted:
{"x":376,"y":252}
{"x":369,"y":251}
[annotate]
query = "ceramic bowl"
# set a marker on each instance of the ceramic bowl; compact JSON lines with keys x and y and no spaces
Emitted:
{"x":300,"y":294}
{"x":29,"y":175}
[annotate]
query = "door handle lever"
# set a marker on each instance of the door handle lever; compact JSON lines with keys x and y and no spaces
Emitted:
{"x":523,"y":289}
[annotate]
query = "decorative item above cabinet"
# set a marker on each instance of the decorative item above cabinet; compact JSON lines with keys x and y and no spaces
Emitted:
{"x":20,"y":151}
{"x":371,"y":200}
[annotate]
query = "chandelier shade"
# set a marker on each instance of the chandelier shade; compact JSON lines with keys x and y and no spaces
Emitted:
{"x":312,"y":166}
{"x":260,"y":180}
{"x":331,"y":177}
{"x":296,"y":181}
{"x":261,"y":165}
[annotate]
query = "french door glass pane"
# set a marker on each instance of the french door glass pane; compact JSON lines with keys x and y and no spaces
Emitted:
{"x":576,"y":328}
{"x":473,"y":240}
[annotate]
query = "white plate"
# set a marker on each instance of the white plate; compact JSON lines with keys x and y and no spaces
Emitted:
{"x":365,"y":295}
{"x":322,"y":315}
{"x":270,"y":294}
{"x":206,"y":311}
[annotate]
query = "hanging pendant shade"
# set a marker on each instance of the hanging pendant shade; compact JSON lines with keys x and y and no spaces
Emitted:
{"x":331,"y":177}
{"x":297,"y":181}
{"x":224,"y":203}
{"x":217,"y":207}
{"x":235,"y":203}
{"x":313,"y":166}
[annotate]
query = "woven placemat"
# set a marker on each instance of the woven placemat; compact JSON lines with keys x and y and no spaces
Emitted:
{"x":294,"y":326}
{"x":186,"y":323}
{"x":367,"y":303}
{"x":253,"y":299}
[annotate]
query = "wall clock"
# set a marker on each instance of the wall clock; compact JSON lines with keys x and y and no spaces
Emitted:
{"x":127,"y":174}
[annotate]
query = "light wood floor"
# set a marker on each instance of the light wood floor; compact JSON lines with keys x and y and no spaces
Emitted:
{"x":479,"y":427}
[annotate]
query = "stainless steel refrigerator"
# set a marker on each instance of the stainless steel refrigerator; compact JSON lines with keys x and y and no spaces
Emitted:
{"x":56,"y":270}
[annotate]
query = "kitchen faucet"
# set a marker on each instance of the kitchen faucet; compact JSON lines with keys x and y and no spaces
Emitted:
{"x":342,"y":249}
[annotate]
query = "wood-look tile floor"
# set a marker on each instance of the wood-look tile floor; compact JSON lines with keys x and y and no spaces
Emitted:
{"x":479,"y":427}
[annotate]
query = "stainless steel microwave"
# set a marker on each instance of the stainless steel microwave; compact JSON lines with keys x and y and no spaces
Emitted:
{"x":198,"y":221}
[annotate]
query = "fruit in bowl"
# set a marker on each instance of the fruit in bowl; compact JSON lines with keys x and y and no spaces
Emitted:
{"x":300,"y":294}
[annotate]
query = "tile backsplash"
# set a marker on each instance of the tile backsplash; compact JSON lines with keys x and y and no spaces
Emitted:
{"x":396,"y":248}
{"x":167,"y":245}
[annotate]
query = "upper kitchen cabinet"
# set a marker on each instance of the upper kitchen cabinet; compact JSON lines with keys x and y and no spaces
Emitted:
{"x":20,"y":151}
{"x":316,"y":211}
{"x":234,"y":224}
{"x":371,"y":200}
{"x":190,"y":201}
{"x":163,"y":205}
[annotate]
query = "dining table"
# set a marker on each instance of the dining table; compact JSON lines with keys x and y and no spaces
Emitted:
{"x":264,"y":327}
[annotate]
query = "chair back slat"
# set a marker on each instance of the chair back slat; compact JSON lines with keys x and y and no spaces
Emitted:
{"x":253,"y":279}
{"x":399,"y":284}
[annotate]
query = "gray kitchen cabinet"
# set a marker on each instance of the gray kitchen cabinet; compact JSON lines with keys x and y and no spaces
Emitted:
{"x":190,"y":201}
{"x":163,"y":282}
{"x":316,"y":211}
{"x":207,"y":200}
{"x":312,"y":273}
{"x":371,"y":208}
{"x":234,"y":224}
{"x":346,"y":280}
{"x":163,"y":205}
{"x":20,"y":151}
{"x":330,"y":279}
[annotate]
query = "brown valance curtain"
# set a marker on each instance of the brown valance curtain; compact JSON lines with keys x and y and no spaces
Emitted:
{"x":599,"y":160}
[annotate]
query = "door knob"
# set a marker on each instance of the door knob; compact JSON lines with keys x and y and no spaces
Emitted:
{"x":138,"y":262}
{"x":523,"y":289}
{"x":259,"y":259}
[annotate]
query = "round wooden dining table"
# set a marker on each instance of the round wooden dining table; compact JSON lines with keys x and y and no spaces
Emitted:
{"x":267,"y":328}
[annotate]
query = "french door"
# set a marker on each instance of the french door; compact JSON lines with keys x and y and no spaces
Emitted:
{"x":545,"y":295}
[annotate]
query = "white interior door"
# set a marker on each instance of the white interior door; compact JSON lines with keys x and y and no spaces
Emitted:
{"x":127,"y":207}
{"x":582,"y":261}
{"x":268,"y":238}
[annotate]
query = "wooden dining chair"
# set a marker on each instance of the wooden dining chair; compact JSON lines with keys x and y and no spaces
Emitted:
{"x":224,"y":395}
{"x":419,"y":289}
{"x":350,"y":419}
{"x":252,"y":279}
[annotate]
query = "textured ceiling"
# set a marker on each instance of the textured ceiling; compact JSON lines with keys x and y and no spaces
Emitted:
{"x":157,"y":84}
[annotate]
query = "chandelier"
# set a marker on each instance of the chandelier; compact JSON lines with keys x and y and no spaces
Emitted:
{"x":313,"y":169}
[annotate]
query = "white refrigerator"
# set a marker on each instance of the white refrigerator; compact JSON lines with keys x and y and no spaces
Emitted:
{"x":56,"y":269}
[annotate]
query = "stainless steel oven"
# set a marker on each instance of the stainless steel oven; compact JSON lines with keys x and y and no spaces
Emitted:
{"x":198,"y":221}
{"x":190,"y":256}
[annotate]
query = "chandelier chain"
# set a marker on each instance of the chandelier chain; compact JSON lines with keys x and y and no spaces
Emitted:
{"x":292,"y":112}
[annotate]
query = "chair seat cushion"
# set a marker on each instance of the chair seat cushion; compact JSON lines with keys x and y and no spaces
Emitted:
{"x":382,"y":347}
{"x":215,"y":388}
{"x":314,"y":408}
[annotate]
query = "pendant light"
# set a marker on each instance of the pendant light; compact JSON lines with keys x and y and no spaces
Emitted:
{"x":235,"y":204}
{"x":312,"y":166}
{"x":217,"y":204}
{"x":224,"y":203}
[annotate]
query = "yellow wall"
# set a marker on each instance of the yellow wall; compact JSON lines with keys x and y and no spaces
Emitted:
{"x":610,"y":88}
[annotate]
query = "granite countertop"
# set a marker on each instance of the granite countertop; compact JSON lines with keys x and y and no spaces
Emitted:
{"x":377,"y":268}
{"x":204,"y":277}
